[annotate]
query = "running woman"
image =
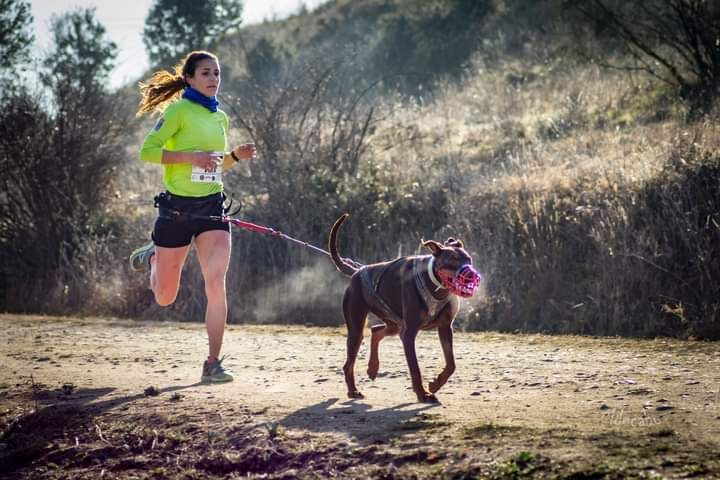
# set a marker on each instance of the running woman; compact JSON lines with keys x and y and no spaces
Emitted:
{"x":189,"y":141}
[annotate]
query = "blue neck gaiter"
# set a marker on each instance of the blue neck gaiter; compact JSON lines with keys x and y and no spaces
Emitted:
{"x":211,"y":103}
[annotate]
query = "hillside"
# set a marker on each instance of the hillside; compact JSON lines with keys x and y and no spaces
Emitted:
{"x":586,"y":195}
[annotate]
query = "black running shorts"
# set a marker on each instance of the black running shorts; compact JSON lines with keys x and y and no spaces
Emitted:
{"x":182,"y":218}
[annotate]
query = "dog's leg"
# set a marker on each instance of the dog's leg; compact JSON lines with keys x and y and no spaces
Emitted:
{"x":446,"y":341}
{"x":378,"y":333}
{"x":408,"y":336}
{"x":355,"y":311}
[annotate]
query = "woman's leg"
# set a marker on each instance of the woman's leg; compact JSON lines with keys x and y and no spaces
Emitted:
{"x":213,"y":249}
{"x":165,"y":269}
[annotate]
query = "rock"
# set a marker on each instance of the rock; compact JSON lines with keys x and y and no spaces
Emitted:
{"x":151,"y":392}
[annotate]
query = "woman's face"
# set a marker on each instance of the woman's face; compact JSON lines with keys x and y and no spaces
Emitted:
{"x":206,"y":79}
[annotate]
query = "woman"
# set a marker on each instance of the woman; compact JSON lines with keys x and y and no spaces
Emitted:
{"x":189,"y":142}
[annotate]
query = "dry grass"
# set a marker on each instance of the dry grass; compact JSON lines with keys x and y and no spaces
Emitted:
{"x":546,"y":169}
{"x":536,"y":133}
{"x":548,"y":173}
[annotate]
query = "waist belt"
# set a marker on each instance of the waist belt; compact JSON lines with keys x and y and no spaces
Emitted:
{"x":176,"y":211}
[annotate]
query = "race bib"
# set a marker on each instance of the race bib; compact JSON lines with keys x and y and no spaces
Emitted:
{"x":199,"y":174}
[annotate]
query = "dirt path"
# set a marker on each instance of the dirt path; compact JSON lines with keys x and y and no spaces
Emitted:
{"x":522,"y":405}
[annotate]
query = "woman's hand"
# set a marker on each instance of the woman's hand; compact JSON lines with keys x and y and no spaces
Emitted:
{"x":208,"y":161}
{"x":245,"y":151}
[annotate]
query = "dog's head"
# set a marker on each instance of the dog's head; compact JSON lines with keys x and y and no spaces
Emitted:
{"x":452,"y":264}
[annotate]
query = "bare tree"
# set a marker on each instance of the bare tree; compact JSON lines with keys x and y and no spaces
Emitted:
{"x":58,"y":152}
{"x":311,"y":130}
{"x":675,"y":41}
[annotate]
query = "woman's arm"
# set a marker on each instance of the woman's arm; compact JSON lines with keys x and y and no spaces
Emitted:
{"x":152,"y":150}
{"x":204,"y":160}
{"x":245,"y":151}
{"x":152,"y":147}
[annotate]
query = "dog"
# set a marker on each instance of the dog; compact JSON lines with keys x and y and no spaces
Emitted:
{"x":408,"y":294}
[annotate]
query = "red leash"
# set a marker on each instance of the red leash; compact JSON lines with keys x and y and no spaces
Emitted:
{"x":268,"y":231}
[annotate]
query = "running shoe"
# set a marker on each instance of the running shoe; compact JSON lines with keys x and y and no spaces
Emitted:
{"x":140,"y":257}
{"x":214,"y":372}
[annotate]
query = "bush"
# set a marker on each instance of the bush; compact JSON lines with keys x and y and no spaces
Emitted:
{"x":641,"y":261}
{"x":426,"y":40}
{"x":56,"y":168}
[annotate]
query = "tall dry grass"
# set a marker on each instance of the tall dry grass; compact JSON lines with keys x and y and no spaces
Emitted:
{"x":589,"y":206}
{"x":583,"y":220}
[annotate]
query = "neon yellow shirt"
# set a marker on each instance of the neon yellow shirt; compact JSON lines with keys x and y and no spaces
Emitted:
{"x":186,"y":127}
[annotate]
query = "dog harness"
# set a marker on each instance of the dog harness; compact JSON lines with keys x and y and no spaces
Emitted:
{"x":433,"y":305}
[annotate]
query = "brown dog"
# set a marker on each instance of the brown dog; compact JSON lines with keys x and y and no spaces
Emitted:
{"x":408,"y":297}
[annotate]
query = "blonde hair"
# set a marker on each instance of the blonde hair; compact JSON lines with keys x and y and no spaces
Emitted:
{"x":164,"y":87}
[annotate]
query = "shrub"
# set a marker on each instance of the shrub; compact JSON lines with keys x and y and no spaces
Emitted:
{"x":640,"y":261}
{"x":56,"y":168}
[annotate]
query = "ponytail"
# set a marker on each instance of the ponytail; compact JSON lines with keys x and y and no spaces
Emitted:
{"x":162,"y":88}
{"x":165,"y":87}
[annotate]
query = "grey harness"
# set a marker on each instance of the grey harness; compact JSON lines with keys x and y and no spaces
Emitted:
{"x":433,"y":305}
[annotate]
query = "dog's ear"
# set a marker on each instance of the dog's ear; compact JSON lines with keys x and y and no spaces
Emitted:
{"x":453,"y":242}
{"x":434,"y":246}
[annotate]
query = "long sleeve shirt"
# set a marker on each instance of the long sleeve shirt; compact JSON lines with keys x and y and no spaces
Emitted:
{"x":186,"y":126}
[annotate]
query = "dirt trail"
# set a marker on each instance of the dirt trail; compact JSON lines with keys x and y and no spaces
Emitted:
{"x":604,"y":390}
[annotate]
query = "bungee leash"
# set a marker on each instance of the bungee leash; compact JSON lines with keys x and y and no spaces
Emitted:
{"x":253,"y":227}
{"x":168,"y":211}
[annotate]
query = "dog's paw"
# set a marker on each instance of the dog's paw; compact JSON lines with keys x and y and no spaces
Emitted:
{"x":355,"y":394}
{"x":427,"y":397}
{"x":435,"y":385}
{"x":372,"y":371}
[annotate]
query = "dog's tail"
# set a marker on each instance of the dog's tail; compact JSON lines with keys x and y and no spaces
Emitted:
{"x":340,"y":263}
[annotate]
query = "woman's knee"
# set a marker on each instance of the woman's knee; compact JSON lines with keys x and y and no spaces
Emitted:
{"x":166,"y":272}
{"x":165,"y":296}
{"x":215,"y":284}
{"x":165,"y":291}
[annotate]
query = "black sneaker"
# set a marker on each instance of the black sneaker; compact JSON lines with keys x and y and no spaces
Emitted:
{"x":215,"y":373}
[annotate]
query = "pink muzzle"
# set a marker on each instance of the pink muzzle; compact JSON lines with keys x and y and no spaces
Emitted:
{"x":463,"y":283}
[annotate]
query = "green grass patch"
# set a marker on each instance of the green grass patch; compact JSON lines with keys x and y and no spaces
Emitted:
{"x":694,"y":469}
{"x":523,"y":464}
{"x":483,"y":430}
{"x":424,"y":421}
